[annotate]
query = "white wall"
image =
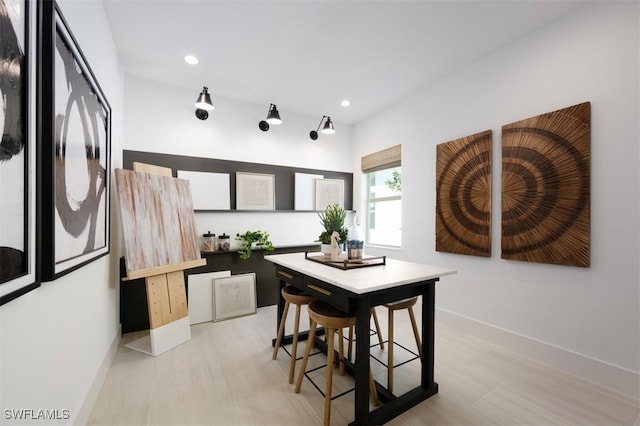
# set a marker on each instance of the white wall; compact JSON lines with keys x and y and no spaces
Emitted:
{"x":56,"y":340}
{"x":160,"y":118}
{"x":571,"y":316}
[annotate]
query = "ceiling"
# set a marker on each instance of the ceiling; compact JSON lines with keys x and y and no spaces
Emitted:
{"x":306,"y":56}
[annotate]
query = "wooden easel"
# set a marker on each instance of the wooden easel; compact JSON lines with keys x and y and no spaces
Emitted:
{"x":166,"y":296}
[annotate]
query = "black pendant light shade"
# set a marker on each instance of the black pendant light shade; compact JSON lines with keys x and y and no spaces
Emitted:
{"x":273,"y":117}
{"x":204,"y":100}
{"x":327,"y":129}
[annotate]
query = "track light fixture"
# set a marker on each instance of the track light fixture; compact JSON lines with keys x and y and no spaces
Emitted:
{"x":273,"y":117}
{"x":327,"y":129}
{"x":203,"y":104}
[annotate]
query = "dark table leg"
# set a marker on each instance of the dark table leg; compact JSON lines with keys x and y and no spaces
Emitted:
{"x":428,"y":336}
{"x":395,"y":405}
{"x":363,"y":316}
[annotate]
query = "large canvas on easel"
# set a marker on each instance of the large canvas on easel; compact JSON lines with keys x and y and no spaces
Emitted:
{"x":158,"y":221}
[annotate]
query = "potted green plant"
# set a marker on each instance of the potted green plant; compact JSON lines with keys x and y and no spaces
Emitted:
{"x":260,"y":238}
{"x":332,"y":219}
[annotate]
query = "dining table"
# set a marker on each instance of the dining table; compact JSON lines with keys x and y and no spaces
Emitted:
{"x":355,"y":286}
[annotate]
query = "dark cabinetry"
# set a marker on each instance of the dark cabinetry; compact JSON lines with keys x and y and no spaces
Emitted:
{"x":134,"y":314}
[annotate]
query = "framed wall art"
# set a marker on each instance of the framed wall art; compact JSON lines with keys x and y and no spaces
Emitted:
{"x":18,"y":149}
{"x":76,"y":150}
{"x":234,"y":296}
{"x":255,"y":191}
{"x":328,"y":192}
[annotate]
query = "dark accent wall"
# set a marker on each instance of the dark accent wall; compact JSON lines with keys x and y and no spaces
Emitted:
{"x":284,"y":176}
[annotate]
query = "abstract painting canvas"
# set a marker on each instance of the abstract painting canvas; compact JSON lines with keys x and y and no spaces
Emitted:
{"x":76,"y":153}
{"x":546,"y":187}
{"x":463,"y":195}
{"x":18,"y":252}
{"x":158,"y":222}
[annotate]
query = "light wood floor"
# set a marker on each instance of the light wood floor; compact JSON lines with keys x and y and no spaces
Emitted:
{"x":225,"y":376}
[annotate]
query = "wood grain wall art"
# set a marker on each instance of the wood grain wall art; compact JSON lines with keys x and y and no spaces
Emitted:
{"x":463,"y":195}
{"x":158,"y":221}
{"x":546,"y":188}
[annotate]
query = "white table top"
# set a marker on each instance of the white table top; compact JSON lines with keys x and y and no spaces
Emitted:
{"x":362,"y":280}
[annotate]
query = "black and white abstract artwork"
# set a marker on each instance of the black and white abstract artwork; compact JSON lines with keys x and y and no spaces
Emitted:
{"x":77,"y":150}
{"x":17,"y":149}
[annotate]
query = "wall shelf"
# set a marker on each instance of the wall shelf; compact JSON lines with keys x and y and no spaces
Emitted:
{"x":284,"y":176}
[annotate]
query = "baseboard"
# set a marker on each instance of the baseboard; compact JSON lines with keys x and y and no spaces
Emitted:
{"x":613,"y":377}
{"x":84,"y":412}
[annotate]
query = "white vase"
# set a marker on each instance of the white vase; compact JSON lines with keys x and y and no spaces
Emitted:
{"x":326,"y":249}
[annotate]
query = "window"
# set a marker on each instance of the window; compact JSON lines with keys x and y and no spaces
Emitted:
{"x":384,"y":207}
{"x":384,"y":197}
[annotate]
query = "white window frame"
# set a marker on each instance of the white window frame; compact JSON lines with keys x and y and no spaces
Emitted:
{"x":389,"y":158}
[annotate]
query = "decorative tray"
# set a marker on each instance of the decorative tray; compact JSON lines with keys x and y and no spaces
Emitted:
{"x":346,"y":264}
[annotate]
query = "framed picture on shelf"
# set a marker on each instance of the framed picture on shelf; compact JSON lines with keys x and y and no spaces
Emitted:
{"x":328,"y":192}
{"x":255,"y":191}
{"x":18,"y":150}
{"x":76,"y":150}
{"x":234,"y":296}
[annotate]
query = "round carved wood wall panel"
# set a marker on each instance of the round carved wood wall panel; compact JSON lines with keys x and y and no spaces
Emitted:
{"x":546,"y":188}
{"x":463,"y":195}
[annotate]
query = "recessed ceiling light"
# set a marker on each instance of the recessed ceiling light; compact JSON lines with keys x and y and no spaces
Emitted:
{"x":191,"y":60}
{"x":345,"y":103}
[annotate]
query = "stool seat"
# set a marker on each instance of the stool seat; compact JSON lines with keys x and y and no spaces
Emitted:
{"x":291,"y":295}
{"x":296,"y":296}
{"x":402,"y":304}
{"x":331,"y":319}
{"x":330,"y":316}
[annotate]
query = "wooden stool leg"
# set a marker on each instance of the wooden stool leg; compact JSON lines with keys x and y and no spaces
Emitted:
{"x":378,"y":332}
{"x":390,"y":354}
{"x":327,"y":391}
{"x":307,"y":351}
{"x":416,"y":334}
{"x":281,"y":330}
{"x":294,"y":347}
{"x":375,"y":321}
{"x":373,"y":390}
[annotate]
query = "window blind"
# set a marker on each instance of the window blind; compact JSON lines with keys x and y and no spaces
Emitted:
{"x":385,"y":159}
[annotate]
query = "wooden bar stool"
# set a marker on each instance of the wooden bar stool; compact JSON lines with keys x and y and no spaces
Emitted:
{"x":378,"y":333}
{"x":392,"y":307}
{"x":291,"y":295}
{"x":331,"y":319}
